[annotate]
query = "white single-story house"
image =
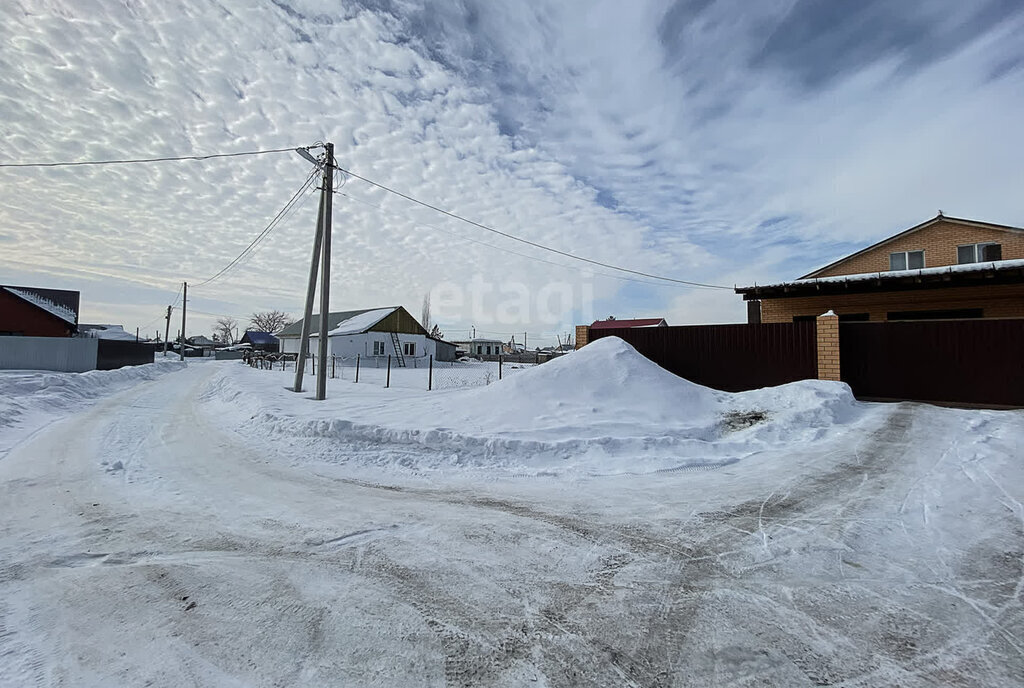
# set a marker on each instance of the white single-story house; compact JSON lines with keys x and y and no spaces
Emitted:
{"x":481,"y":346}
{"x":370,"y":333}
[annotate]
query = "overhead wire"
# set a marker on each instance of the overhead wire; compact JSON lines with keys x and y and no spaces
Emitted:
{"x":265,"y":231}
{"x":502,"y":248}
{"x":134,"y":161}
{"x":527,"y":241}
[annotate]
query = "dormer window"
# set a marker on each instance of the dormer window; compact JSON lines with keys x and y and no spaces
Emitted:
{"x":906,"y":260}
{"x":979,"y":253}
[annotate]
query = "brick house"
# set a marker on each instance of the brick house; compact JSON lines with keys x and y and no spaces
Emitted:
{"x":944,"y":268}
{"x":34,"y":312}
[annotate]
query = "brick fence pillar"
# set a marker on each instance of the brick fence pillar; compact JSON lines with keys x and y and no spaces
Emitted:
{"x":582,"y":335}
{"x":828,"y":346}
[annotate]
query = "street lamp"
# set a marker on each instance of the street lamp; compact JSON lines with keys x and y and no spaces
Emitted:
{"x":304,"y":152}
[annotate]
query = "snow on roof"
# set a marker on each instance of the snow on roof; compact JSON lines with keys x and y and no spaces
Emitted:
{"x":358,"y":324}
{"x":116,"y":332}
{"x":900,"y":274}
{"x":63,"y":312}
{"x":259,"y":337}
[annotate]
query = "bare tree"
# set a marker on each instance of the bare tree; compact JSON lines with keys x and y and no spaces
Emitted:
{"x":224,"y":329}
{"x":425,"y":313}
{"x":269,"y":321}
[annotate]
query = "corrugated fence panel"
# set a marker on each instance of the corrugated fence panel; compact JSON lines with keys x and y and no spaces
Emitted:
{"x":115,"y":354}
{"x":958,"y":361}
{"x":66,"y":354}
{"x":733,"y":358}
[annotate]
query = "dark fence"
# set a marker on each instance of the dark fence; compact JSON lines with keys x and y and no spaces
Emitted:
{"x":957,"y":361}
{"x":526,"y":357}
{"x":112,"y":354}
{"x":733,"y":358}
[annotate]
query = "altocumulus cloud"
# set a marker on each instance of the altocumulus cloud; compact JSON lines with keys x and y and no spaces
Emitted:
{"x":717,"y":141}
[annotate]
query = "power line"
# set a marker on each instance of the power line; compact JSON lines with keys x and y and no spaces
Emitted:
{"x":527,"y":241}
{"x":149,"y":160}
{"x":502,"y":248}
{"x":265,"y":231}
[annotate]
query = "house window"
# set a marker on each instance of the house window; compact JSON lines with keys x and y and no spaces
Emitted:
{"x":906,"y":260}
{"x":979,"y":253}
{"x":479,"y":349}
{"x":409,"y":348}
{"x":378,"y":348}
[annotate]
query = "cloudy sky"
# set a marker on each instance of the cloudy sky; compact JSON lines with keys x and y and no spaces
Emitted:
{"x":723,"y":142}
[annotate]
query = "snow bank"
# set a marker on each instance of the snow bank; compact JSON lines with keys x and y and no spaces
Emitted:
{"x":602,"y":409}
{"x":31,"y":399}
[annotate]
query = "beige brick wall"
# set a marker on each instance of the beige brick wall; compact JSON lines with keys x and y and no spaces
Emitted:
{"x":582,"y":335}
{"x":998,"y":301}
{"x":939,"y":243}
{"x":828,"y":347}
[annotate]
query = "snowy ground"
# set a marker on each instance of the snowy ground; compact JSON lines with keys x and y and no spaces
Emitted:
{"x":592,"y":521}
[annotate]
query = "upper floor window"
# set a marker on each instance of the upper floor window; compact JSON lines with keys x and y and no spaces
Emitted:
{"x":979,"y":253}
{"x":906,"y":260}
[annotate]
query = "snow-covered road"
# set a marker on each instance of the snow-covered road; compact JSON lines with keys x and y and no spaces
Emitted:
{"x":147,"y":541}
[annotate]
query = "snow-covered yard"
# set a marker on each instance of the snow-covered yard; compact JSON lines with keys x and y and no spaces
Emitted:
{"x":592,"y":521}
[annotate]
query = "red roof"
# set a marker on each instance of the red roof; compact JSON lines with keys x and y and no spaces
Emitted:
{"x":641,"y":322}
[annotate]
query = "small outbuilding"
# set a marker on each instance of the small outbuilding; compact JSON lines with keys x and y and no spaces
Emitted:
{"x":260,"y":341}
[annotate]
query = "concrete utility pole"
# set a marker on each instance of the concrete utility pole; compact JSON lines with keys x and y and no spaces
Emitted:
{"x":325,"y":274}
{"x":184,"y":307}
{"x":307,"y":313}
{"x":321,"y":259}
{"x":167,"y":330}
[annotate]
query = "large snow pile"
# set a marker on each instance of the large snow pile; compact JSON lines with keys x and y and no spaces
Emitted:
{"x":604,"y":389}
{"x":602,"y":409}
{"x":30,"y":399}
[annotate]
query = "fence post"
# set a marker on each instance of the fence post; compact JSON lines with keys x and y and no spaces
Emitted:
{"x":499,"y":366}
{"x":387,"y":382}
{"x":357,"y":367}
{"x":332,"y":366}
{"x":430,"y":375}
{"x":827,"y":336}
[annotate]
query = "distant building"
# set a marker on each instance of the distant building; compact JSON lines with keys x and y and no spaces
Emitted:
{"x":370,"y":333}
{"x":114,"y":332}
{"x":35,"y":312}
{"x":260,"y":341}
{"x":583,"y":331}
{"x":480,"y":346}
{"x":613,"y":324}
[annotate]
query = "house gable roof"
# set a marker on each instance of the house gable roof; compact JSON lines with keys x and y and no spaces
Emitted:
{"x":60,"y":303}
{"x":333,"y":319}
{"x":636,"y":322}
{"x":358,"y":322}
{"x":969,"y":274}
{"x":916,"y":228}
{"x":253,"y":337}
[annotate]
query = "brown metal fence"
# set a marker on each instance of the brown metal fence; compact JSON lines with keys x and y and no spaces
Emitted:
{"x":958,"y":361}
{"x":112,"y":354}
{"x":733,"y":358}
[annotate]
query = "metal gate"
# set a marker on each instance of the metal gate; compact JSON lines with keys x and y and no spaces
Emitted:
{"x":959,"y":361}
{"x":733,"y":358}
